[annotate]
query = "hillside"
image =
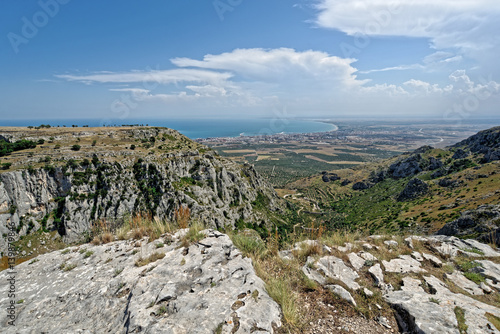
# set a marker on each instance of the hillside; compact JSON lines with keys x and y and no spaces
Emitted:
{"x":74,"y":177}
{"x":122,"y":230}
{"x":419,"y":191}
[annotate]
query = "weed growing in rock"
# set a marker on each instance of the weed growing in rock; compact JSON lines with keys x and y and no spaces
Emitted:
{"x":491,"y":318}
{"x":460,"y":314}
{"x":152,"y":258}
{"x":193,"y":235}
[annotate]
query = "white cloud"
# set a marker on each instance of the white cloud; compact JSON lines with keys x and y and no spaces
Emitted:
{"x":307,"y":82}
{"x":463,"y":24}
{"x":156,"y":76}
{"x":276,"y":65}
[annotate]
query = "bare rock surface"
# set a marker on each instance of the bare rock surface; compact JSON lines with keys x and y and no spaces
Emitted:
{"x":434,"y":313}
{"x":422,"y":303}
{"x":459,"y":279}
{"x":100,"y":289}
{"x":404,"y":264}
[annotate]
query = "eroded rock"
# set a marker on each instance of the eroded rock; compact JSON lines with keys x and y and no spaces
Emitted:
{"x":195,"y":292}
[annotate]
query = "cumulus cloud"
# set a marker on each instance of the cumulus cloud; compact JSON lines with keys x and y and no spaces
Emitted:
{"x":275,"y":65}
{"x":306,"y":81}
{"x":459,"y":24}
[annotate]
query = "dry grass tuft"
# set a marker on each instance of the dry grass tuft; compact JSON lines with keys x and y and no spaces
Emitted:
{"x":193,"y":235}
{"x":182,"y":216}
{"x":152,"y":258}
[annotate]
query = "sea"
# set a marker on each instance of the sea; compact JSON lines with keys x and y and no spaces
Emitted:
{"x":199,"y":128}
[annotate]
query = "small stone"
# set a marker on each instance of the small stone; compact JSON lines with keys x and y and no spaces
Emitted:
{"x":367,"y":256}
{"x":409,"y":242}
{"x":367,"y":292}
{"x":356,"y":261}
{"x":342,"y":293}
{"x":347,"y":247}
{"x":434,"y":260}
{"x":367,"y":246}
{"x":391,"y":243}
{"x":485,"y":288}
{"x":383,"y":321}
{"x":417,"y":256}
{"x":377,"y":274}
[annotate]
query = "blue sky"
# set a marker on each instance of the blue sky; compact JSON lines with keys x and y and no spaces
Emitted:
{"x":240,"y":58}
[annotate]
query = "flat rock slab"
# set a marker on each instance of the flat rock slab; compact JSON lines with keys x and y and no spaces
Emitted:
{"x":433,"y":259}
{"x":356,"y":261}
{"x":421,"y":312}
{"x":368,"y":256}
{"x":489,"y":269}
{"x":197,"y":289}
{"x":404,"y":264}
{"x":453,"y":246}
{"x":463,"y":282}
{"x":333,"y":267}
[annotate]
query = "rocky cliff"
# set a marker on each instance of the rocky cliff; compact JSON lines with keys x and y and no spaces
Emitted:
{"x":68,"y":189}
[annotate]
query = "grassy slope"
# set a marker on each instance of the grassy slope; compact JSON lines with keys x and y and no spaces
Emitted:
{"x":376,"y":209}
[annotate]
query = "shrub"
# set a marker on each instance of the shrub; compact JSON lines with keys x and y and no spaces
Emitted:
{"x":5,"y":165}
{"x":76,"y":147}
{"x":251,"y":246}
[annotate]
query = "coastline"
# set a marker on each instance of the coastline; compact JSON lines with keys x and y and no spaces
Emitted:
{"x":198,"y":129}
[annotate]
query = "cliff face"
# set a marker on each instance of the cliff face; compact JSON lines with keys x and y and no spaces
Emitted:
{"x":69,"y":197}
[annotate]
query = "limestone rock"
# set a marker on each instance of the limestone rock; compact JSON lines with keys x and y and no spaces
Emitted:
{"x":417,"y":256}
{"x":489,"y":269}
{"x":333,"y":267}
{"x":186,"y":290}
{"x":481,"y":222}
{"x":368,"y":292}
{"x":420,"y":312}
{"x":413,"y":189}
{"x":404,"y":264}
{"x":356,"y":261}
{"x":368,"y":256}
{"x":377,"y":274}
{"x":433,"y":259}
{"x":391,"y":243}
{"x":342,"y":293}
{"x":459,"y":279}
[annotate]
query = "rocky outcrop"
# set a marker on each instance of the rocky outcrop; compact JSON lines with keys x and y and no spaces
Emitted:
{"x":424,"y":302}
{"x":481,"y":224}
{"x":361,"y":186}
{"x":485,"y":142}
{"x":413,"y":189}
{"x":406,"y":167}
{"x":203,"y":288}
{"x":69,"y":196}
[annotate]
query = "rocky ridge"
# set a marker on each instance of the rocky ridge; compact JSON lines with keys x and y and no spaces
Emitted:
{"x":135,"y":286}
